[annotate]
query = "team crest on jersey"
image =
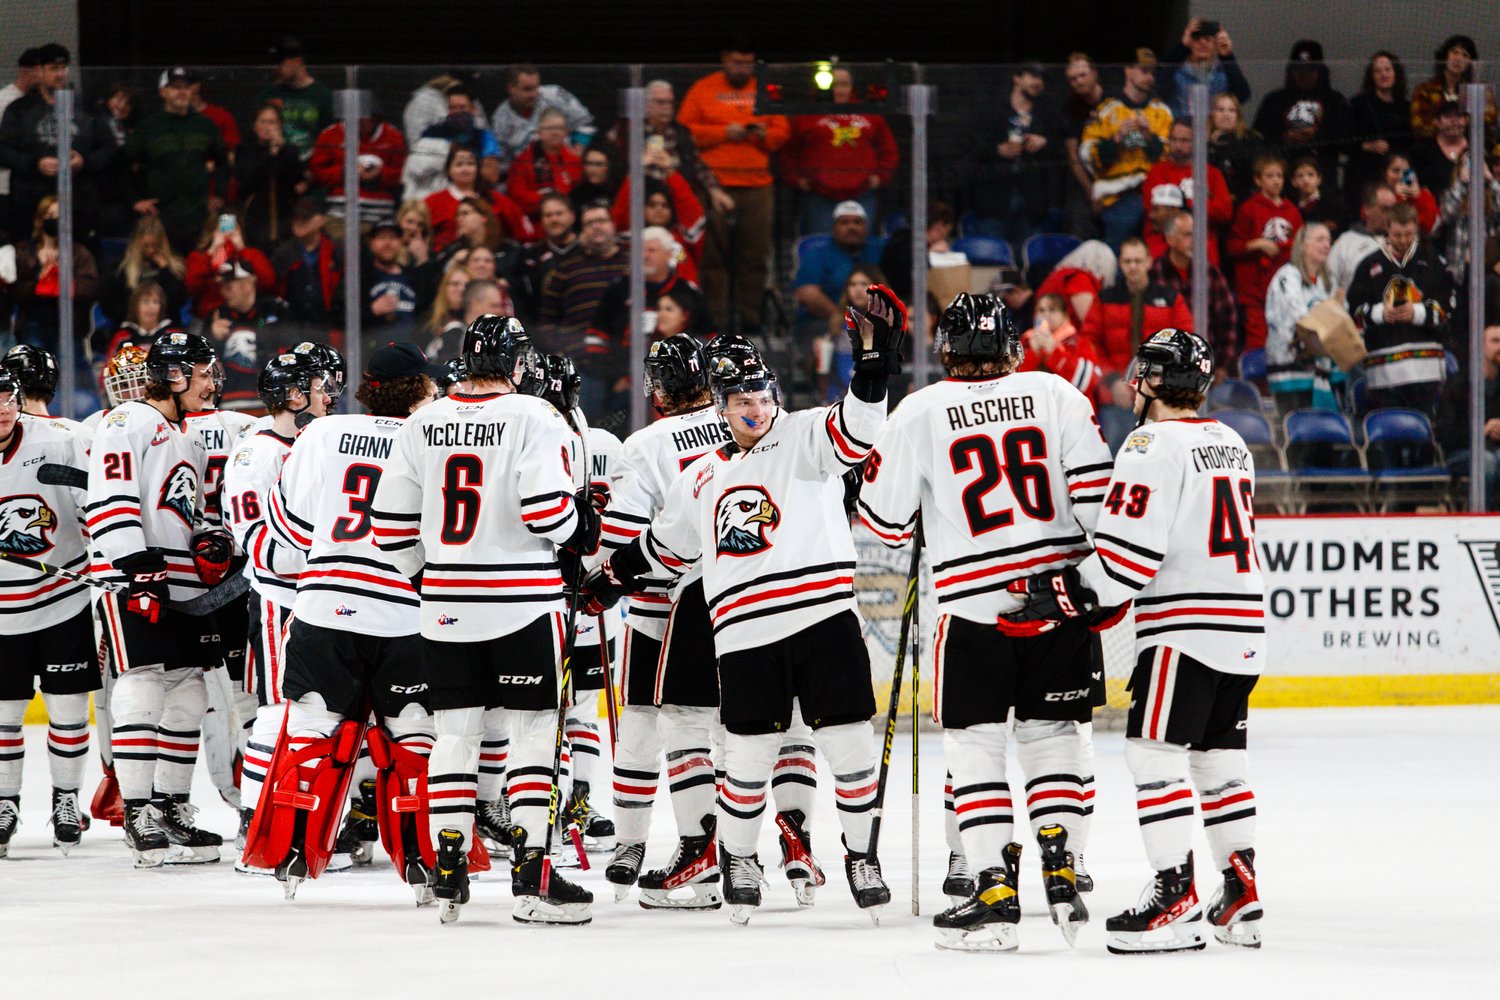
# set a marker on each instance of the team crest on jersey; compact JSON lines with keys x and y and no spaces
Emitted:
{"x":447,"y":620}
{"x":1138,"y":443}
{"x":116,"y":419}
{"x":26,"y":524}
{"x":243,"y":457}
{"x":744,"y":517}
{"x":180,"y":492}
{"x":162,"y":435}
{"x":344,"y":611}
{"x":705,"y":476}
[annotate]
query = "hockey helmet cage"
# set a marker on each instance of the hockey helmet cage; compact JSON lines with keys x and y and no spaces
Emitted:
{"x":1175,"y":359}
{"x":125,"y":375}
{"x":172,"y":353}
{"x":34,"y":368}
{"x":676,"y":367}
{"x":979,"y":326}
{"x":286,"y":372}
{"x":493,"y":344}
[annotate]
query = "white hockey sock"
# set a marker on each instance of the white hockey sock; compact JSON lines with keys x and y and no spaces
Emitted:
{"x":748,"y":761}
{"x":852,"y":759}
{"x":686,"y":738}
{"x":184,"y":703}
{"x":1227,"y":801}
{"x":247,"y":706}
{"x":494,"y":748}
{"x":453,"y":771}
{"x":1163,"y":800}
{"x":981,"y":795}
{"x":794,"y":782}
{"x":1051,"y":755}
{"x":585,"y":743}
{"x":67,"y":738}
{"x":264,"y":730}
{"x":637,"y":772}
{"x":12,"y":746}
{"x":529,"y":777}
{"x":102,"y":722}
{"x":950,"y":817}
{"x":135,"y":710}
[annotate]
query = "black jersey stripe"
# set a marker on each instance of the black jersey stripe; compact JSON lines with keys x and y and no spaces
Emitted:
{"x":1130,"y":546}
{"x":790,"y":574}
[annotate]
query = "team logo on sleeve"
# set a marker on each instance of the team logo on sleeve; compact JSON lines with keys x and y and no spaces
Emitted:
{"x":742,"y":520}
{"x":180,"y":492}
{"x":1139,"y":443}
{"x":26,"y":522}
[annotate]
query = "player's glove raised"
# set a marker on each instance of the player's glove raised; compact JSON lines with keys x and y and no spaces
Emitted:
{"x":211,"y":553}
{"x":876,"y":332}
{"x":148,"y":591}
{"x":1050,"y":598}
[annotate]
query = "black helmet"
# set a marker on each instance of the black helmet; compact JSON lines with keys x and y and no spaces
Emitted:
{"x":493,"y":344}
{"x":172,"y":352}
{"x":733,"y":369}
{"x":9,"y":383}
{"x":34,"y":368}
{"x":327,"y":357}
{"x":1175,"y":359}
{"x":551,"y":377}
{"x":676,"y":367}
{"x":286,"y":372}
{"x":453,"y":374}
{"x":979,"y":326}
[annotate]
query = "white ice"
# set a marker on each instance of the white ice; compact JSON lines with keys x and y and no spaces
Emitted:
{"x":1376,"y":857}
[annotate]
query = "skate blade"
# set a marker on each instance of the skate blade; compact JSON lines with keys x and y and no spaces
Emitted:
{"x":994,"y":937}
{"x":63,"y":846}
{"x":536,"y":910}
{"x":290,"y":886}
{"x":340,"y":863}
{"x":154,"y":858}
{"x":1069,"y":917}
{"x":704,"y":897}
{"x":179,"y":854}
{"x":423,"y":894}
{"x":448,"y":910}
{"x":364,"y":854}
{"x":602,"y":845}
{"x":740,"y":913}
{"x":805,"y":890}
{"x":245,"y":869}
{"x":874,"y":912}
{"x":1243,"y":934}
{"x":4,"y":850}
{"x":622,"y":893}
{"x":1136,"y":942}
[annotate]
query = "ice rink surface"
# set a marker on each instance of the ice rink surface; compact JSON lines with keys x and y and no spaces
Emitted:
{"x":1376,"y":837}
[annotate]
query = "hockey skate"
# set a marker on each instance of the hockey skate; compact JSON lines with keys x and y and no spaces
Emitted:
{"x":492,"y":823}
{"x":10,"y":818}
{"x":190,"y":845}
{"x":558,"y":902}
{"x":1234,"y":912}
{"x":744,"y":877}
{"x":866,"y":883}
{"x":292,"y":872}
{"x":695,"y":867}
{"x":68,"y":821}
{"x":987,"y":921}
{"x":797,"y":860}
{"x":450,"y":881}
{"x":144,"y":835}
{"x":597,"y":832}
{"x":1169,"y":902}
{"x":958,"y":884}
{"x":361,"y":827}
{"x":624,"y":868}
{"x":1082,"y":878}
{"x":1058,"y":878}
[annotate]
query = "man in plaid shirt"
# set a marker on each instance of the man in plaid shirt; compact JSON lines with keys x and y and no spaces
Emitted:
{"x":1174,"y":269}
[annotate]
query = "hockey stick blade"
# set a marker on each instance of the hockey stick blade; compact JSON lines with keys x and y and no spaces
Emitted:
{"x":53,"y":474}
{"x":232,"y":587}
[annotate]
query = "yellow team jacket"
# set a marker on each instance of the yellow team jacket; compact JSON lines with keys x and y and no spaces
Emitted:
{"x":1120,"y":164}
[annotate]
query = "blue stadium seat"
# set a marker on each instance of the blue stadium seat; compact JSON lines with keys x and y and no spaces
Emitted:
{"x":1040,"y":254}
{"x":1273,"y":484}
{"x":1450,"y":364}
{"x":1404,"y":458}
{"x":974,"y":224}
{"x":1253,"y":366}
{"x":1232,"y":394}
{"x":1322,"y":455}
{"x":985,"y":251}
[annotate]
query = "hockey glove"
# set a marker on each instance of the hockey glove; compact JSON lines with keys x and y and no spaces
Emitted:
{"x":570,"y":564}
{"x":147,"y":572}
{"x":876,"y":333}
{"x":598,"y":593}
{"x":1050,"y":598}
{"x":211,"y":553}
{"x":585,"y":538}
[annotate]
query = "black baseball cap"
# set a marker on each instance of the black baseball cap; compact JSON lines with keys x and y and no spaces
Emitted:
{"x":176,"y":74}
{"x":30,"y":58}
{"x":385,"y":224}
{"x":52,"y":53}
{"x":395,"y":361}
{"x":287,"y":47}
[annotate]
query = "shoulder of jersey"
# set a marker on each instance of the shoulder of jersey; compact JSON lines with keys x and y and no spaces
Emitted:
{"x":40,"y":429}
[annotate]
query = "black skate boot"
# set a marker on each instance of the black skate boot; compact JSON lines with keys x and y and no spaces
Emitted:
{"x":1170,"y":901}
{"x":1058,"y":878}
{"x":143,"y":833}
{"x":624,"y":868}
{"x":986,"y":921}
{"x":694,"y":866}
{"x":543,"y":896}
{"x":192,"y":846}
{"x":958,"y":884}
{"x":361,"y":827}
{"x":492,"y":823}
{"x":597,"y":831}
{"x":797,"y":860}
{"x":743,"y":878}
{"x":1082,"y":878}
{"x":1235,"y":911}
{"x":450,"y":881}
{"x":866,"y":882}
{"x":10,"y":818}
{"x":68,"y":821}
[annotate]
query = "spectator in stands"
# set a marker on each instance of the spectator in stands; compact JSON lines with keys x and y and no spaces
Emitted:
{"x":1299,"y":380}
{"x":179,"y":162}
{"x":1053,"y":345}
{"x":895,"y":259}
{"x":120,"y":111}
{"x":674,"y":207}
{"x":148,"y":258}
{"x":737,"y":146}
{"x":571,"y":296}
{"x":834,"y":157}
{"x":1454,"y":434}
{"x":559,"y":239}
{"x":221,"y":116}
{"x":1433,"y":158}
{"x":598,"y":182}
{"x":27,"y":68}
{"x":1174,"y":269}
{"x":269,"y":180}
{"x":1401,"y":177}
{"x":429,"y":105}
{"x":1380,"y":120}
{"x":1080,"y":278}
{"x":1307,"y":116}
{"x":240,"y":328}
{"x":381,"y":159}
{"x":462,"y":170}
{"x":1402,"y":297}
{"x":416,"y":231}
{"x":1260,"y":243}
{"x":310,"y":270}
{"x":1176,"y":170}
{"x":1132,"y":309}
{"x":36,"y":290}
{"x":546,"y":165}
{"x":1315,"y":201}
{"x":669,"y":149}
{"x":1085,"y":94}
{"x":1453,"y":66}
{"x":443,"y":332}
{"x":526,"y":97}
{"x":1126,"y":136}
{"x":832,"y":353}
{"x":394,"y":294}
{"x":432,"y":148}
{"x":1454,"y":223}
{"x":220,"y":241}
{"x":681,"y":309}
{"x":1363,"y":238}
{"x":1205,"y":55}
{"x":822,"y":268}
{"x":146,"y":318}
{"x":1166,"y":202}
{"x":306,"y":104}
{"x":475,"y":226}
{"x":1017,"y":160}
{"x":1233,"y":145}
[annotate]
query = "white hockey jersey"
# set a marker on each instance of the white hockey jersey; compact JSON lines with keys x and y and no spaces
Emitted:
{"x":769,"y":525}
{"x":476,"y":497}
{"x":1177,"y":536}
{"x":220,"y":431}
{"x":653,"y":458}
{"x":1007,"y":472}
{"x":603,"y":464}
{"x":249,"y":481}
{"x":322,"y":509}
{"x":82,"y":428}
{"x":40,"y":522}
{"x":144,"y":472}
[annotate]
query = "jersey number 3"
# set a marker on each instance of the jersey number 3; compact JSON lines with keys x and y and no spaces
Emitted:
{"x":1029,"y":482}
{"x":360,"y":482}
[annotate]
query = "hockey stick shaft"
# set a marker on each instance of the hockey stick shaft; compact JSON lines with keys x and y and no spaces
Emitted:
{"x":916,"y":738}
{"x":611,"y":707}
{"x":201,"y":605}
{"x":66,"y":574}
{"x":908,"y":608}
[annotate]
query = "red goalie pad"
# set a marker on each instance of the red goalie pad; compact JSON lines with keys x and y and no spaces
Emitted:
{"x":401,"y":805}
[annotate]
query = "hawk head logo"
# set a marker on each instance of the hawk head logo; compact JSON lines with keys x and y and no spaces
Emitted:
{"x":743,"y":517}
{"x":25,"y":524}
{"x":180,"y":492}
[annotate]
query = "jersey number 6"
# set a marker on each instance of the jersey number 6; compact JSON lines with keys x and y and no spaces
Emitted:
{"x":461,"y":499}
{"x":1029,"y":482}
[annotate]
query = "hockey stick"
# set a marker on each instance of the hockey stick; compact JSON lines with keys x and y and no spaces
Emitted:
{"x":52,"y":474}
{"x":908,"y":610}
{"x":200,"y":605}
{"x":612,"y":711}
{"x":93,"y":581}
{"x":916,"y":731}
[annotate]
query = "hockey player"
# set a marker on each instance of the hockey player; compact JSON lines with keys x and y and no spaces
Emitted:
{"x":1006,"y":469}
{"x":765,"y":513}
{"x":36,"y":371}
{"x":45,"y":626}
{"x":477,"y":498}
{"x":291,"y":387}
{"x":1200,"y":643}
{"x":147,"y":530}
{"x":352,"y":646}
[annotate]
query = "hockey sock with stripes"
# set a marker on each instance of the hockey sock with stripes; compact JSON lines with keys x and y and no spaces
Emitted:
{"x":637,"y":771}
{"x":852,"y":759}
{"x":687,"y":739}
{"x":1227,"y":801}
{"x":184,"y":703}
{"x":981,"y":795}
{"x":67,"y":738}
{"x":1163,"y":800}
{"x":453,"y":771}
{"x":748,"y":761}
{"x":529,"y":771}
{"x":494,"y":749}
{"x":135,"y":711}
{"x":1052,"y":758}
{"x":12,"y":746}
{"x":950,"y":817}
